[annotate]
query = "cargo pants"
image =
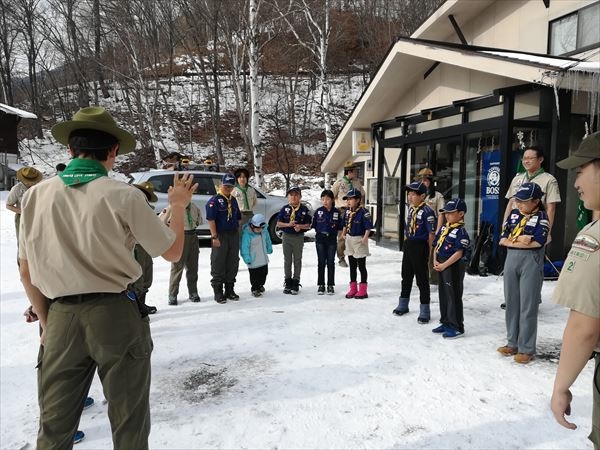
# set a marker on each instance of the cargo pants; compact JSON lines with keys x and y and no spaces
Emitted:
{"x":103,"y":331}
{"x":189,"y":261}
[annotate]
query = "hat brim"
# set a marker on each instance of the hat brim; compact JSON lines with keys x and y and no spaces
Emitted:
{"x":151,"y":196}
{"x":573,"y":162}
{"x":25,"y":180}
{"x":62,"y":131}
{"x":297,"y":191}
{"x":346,"y":197}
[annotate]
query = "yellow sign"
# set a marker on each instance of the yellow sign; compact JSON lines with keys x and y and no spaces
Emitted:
{"x":361,"y":142}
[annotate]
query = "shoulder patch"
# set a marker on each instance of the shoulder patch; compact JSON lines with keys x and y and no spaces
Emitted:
{"x":586,"y":243}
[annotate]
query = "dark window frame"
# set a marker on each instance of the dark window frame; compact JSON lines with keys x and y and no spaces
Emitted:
{"x":577,"y":48}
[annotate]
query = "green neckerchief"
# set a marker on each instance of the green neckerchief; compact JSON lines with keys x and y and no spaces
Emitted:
{"x":81,"y":171}
{"x":348,"y":182}
{"x":536,"y":173}
{"x":188,"y":212}
{"x":245,"y":192}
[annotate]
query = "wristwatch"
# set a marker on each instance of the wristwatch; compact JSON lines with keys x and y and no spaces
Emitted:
{"x":214,"y":236}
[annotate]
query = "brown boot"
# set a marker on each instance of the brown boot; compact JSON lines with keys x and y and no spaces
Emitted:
{"x":507,"y":351}
{"x":523,"y":358}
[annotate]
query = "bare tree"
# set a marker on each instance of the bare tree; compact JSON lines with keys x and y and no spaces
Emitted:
{"x":8,"y":36}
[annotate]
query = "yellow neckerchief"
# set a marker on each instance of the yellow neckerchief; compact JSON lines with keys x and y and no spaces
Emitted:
{"x":413,"y":219}
{"x":351,"y":215}
{"x":294,"y":211}
{"x":518,"y":230}
{"x":228,"y":198}
{"x":447,"y":228}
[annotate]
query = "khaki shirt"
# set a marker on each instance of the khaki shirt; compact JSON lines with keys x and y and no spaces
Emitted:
{"x":15,"y":196}
{"x":436,"y":202}
{"x":578,"y":285}
{"x":239,"y":196}
{"x":80,"y":240}
{"x":544,"y":180}
{"x":195,"y":216}
{"x":341,"y":187}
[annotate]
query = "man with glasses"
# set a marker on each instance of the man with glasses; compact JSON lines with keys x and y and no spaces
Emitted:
{"x":534,"y":173}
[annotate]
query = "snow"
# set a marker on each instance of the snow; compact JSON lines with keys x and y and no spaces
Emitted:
{"x":312,"y":371}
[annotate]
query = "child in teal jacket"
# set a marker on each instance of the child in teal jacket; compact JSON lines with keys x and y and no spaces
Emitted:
{"x":255,"y":247}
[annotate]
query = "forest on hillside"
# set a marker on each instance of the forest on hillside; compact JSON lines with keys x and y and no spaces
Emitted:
{"x":258,"y":76}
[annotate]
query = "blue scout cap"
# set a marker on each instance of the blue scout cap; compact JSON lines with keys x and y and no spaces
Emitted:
{"x":352,"y":193}
{"x":294,"y":189}
{"x":416,"y":186}
{"x":456,"y":204}
{"x":228,"y":180}
{"x":258,"y":220}
{"x":528,"y":191}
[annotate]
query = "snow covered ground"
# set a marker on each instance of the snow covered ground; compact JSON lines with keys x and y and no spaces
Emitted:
{"x":312,"y":371}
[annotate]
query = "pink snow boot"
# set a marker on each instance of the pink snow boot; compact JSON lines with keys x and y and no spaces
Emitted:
{"x":362,"y":291}
{"x":352,"y":291}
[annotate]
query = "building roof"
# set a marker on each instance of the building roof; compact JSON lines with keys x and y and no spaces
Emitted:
{"x":17,"y":112}
{"x":410,"y":58}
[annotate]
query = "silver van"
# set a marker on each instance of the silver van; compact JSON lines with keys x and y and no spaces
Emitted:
{"x":208,"y":183}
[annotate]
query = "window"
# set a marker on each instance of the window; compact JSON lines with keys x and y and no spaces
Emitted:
{"x":575,"y":32}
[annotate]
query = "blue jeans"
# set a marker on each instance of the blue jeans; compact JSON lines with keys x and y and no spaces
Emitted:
{"x":326,"y":257}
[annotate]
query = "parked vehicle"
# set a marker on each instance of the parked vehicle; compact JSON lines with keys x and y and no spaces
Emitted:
{"x":208,"y":183}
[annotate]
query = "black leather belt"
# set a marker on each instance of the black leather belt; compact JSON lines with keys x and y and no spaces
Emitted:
{"x":81,"y":298}
{"x":189,"y":231}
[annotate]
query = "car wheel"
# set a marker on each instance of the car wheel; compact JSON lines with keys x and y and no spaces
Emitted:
{"x":274,"y":232}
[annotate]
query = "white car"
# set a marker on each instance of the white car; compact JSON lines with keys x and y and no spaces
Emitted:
{"x":208,"y":183}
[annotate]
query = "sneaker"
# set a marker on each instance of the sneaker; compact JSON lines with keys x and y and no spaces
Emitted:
{"x":451,"y":333}
{"x":78,"y":437}
{"x":172,"y":300}
{"x":441,"y":329}
{"x":321,"y":289}
{"x":503,"y":306}
{"x":194,"y":298}
{"x":342,"y":263}
{"x":505,"y":350}
{"x":256,"y":293}
{"x":89,"y":401}
{"x":523,"y":358}
{"x":151,"y":309}
{"x":330,"y":290}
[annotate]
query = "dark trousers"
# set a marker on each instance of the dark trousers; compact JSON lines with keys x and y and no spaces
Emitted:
{"x":225,"y":260}
{"x":414,"y":264}
{"x":361,"y":264}
{"x":326,"y":258}
{"x":105,"y":332}
{"x":189,"y":262}
{"x":451,"y":292}
{"x":258,"y":276}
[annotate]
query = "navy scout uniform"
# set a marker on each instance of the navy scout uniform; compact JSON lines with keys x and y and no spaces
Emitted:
{"x":224,"y":260}
{"x":292,"y":243}
{"x":91,"y":321}
{"x":523,"y":277}
{"x":327,"y":223}
{"x":451,"y":238}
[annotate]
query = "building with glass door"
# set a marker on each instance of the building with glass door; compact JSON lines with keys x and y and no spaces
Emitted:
{"x":465,"y":95}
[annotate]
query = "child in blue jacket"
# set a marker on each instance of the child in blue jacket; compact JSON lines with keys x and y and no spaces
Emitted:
{"x":327,"y":221}
{"x":255,"y":247}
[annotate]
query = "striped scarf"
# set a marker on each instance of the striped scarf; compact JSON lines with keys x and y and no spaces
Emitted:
{"x":229,"y":209}
{"x":447,"y":229}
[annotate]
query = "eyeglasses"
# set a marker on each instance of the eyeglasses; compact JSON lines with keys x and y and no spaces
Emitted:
{"x":529,"y":158}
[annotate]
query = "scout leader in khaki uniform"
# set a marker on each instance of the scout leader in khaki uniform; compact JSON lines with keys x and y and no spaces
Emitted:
{"x":27,"y":176}
{"x":340,"y":188}
{"x":77,"y":235}
{"x":189,"y":258}
{"x":578,"y":289}
{"x":533,"y":158}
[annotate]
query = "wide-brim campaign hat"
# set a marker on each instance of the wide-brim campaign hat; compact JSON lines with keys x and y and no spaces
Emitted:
{"x":424,"y":173}
{"x":456,"y":204}
{"x":416,"y":186}
{"x":147,"y":188}
{"x":529,"y":191}
{"x":29,"y":175}
{"x":94,"y":118}
{"x":352,"y":193}
{"x":588,"y":150}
